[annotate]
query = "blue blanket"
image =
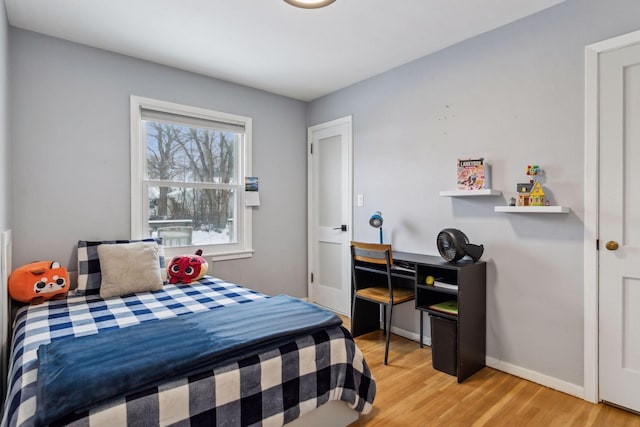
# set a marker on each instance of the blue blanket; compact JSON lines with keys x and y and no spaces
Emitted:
{"x":117,"y":361}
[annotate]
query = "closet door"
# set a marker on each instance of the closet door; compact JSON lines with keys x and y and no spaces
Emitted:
{"x":619,"y":235}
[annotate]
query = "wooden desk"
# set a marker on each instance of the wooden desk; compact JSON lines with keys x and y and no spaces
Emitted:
{"x":470,"y":322}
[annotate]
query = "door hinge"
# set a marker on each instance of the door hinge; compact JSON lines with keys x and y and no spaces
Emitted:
{"x":597,"y":244}
{"x":311,"y":148}
{"x":311,"y":277}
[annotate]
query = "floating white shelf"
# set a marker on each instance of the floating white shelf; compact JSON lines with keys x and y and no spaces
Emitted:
{"x":533,"y":209}
{"x":465,"y":193}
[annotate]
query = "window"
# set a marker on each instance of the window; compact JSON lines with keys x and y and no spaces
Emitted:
{"x":187,"y":178}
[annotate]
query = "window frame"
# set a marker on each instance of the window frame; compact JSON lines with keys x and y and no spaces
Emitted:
{"x":139,"y":183}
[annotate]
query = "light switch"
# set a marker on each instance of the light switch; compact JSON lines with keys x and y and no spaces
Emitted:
{"x":360,"y":200}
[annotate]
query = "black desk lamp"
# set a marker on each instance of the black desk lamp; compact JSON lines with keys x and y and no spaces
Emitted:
{"x":376,"y":222}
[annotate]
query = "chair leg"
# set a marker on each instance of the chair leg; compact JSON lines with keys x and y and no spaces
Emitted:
{"x":353,"y":313}
{"x":421,"y":327}
{"x":388,"y":334}
{"x":384,"y":319}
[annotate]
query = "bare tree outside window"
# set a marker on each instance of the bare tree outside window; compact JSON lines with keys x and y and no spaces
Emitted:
{"x":196,"y":170}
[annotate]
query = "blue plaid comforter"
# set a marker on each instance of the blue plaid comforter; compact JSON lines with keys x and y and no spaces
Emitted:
{"x":270,"y":388}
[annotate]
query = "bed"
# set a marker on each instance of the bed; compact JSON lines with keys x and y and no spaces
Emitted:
{"x":275,"y":383}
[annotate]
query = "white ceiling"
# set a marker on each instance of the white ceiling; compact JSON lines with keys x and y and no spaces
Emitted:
{"x":268,"y":44}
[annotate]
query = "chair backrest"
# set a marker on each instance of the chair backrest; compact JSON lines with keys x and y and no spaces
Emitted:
{"x":379,"y":257}
{"x":374,"y":253}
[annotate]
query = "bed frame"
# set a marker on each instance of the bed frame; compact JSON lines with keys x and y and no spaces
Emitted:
{"x":332,"y":413}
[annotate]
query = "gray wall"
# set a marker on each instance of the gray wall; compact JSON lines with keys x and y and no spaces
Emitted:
{"x":515,"y":96}
{"x":5,"y":165}
{"x":70,"y":141}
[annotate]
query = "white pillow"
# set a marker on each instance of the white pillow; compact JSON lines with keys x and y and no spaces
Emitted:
{"x":128,"y":268}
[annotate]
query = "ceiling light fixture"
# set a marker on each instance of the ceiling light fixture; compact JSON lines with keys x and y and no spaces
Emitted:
{"x":310,"y":4}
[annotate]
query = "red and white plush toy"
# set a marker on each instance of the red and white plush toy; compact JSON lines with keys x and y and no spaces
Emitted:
{"x":38,"y":282}
{"x":187,"y":268}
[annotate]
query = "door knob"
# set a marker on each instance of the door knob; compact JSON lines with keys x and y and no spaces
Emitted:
{"x":343,"y":227}
{"x":611,"y":245}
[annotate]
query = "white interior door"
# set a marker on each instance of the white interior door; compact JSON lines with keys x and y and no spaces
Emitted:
{"x":330,"y":214}
{"x":619,"y":227}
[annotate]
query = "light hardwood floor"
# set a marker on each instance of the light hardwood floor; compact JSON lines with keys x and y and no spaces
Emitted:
{"x":411,"y":393}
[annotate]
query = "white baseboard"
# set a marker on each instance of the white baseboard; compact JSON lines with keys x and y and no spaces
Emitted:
{"x":413,"y":336}
{"x":536,"y":377}
{"x":527,"y":374}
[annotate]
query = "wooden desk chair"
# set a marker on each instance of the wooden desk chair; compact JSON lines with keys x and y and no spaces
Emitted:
{"x":377,"y":287}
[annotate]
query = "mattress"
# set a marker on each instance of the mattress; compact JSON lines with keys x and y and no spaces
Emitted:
{"x":272,"y":387}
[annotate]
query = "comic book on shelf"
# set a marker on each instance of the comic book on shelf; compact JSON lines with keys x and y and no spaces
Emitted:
{"x":473,"y":174}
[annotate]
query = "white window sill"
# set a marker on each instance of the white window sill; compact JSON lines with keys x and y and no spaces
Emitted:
{"x":247,"y":253}
{"x":170,"y":252}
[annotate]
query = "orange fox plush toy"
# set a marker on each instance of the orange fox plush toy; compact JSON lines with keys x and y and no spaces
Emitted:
{"x":39,"y":281}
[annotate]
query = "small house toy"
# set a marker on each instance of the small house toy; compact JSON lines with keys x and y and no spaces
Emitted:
{"x":531,"y":193}
{"x":524,"y":190}
{"x":536,"y":195}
